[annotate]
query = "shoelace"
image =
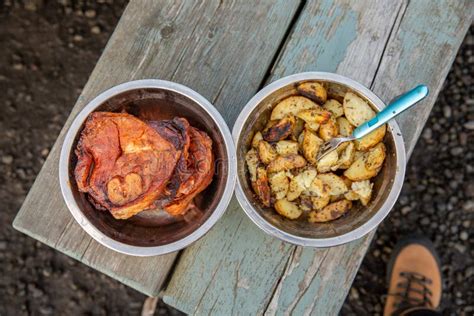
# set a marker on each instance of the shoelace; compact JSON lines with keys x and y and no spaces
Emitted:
{"x":406,"y":288}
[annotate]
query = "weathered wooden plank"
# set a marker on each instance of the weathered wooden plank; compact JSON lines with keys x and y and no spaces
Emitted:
{"x":361,"y":41}
{"x":201,"y":44}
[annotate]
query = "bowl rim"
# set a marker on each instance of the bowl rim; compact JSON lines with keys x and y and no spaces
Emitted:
{"x":381,"y":213}
{"x":75,"y":127}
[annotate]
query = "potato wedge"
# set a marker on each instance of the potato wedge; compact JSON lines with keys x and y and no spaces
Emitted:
{"x":256,"y":139}
{"x":286,"y":147}
{"x":305,"y":203}
{"x":357,"y":111}
{"x":358,"y":171}
{"x":371,"y":139}
{"x":351,"y":196}
{"x":300,"y":183}
{"x":335,"y":198}
{"x":358,"y":154}
{"x":364,"y":190}
{"x":261,"y":187}
{"x":347,"y":181}
{"x":328,"y":130}
{"x":252,"y":162}
{"x":327,"y":162}
{"x":291,"y":106}
{"x":330,"y":212}
{"x":376,"y":157}
{"x":288,"y":209}
{"x":311,"y":144}
{"x":316,"y":115}
{"x":287,"y":162}
{"x":335,"y":107}
{"x":335,"y":184}
{"x":280,"y":130}
{"x":346,"y":157}
{"x":266,"y":152}
{"x":279,"y":184}
{"x":313,"y":90}
{"x":299,"y":127}
{"x":319,"y":202}
{"x":312,"y":126}
{"x":317,"y":188}
{"x":345,"y":128}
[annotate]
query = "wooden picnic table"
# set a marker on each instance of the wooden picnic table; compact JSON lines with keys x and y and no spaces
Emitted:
{"x":227,"y":50}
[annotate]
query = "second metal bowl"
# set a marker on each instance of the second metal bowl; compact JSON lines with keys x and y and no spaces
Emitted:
{"x":359,"y":221}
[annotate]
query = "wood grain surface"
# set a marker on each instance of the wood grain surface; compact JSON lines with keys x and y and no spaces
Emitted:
{"x":389,"y":46}
{"x":210,"y":46}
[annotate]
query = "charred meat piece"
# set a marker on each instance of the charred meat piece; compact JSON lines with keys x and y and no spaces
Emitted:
{"x":193,"y":176}
{"x":122,"y":163}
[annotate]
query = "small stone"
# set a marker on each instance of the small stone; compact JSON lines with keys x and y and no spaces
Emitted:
{"x":460,"y":248}
{"x":376,"y":253}
{"x":464,"y":235}
{"x":469,"y":125}
{"x":447,"y":111}
{"x":425,"y":221}
{"x":354,"y":293}
{"x":3,"y":245}
{"x":18,"y":66}
{"x":405,"y":210}
{"x":454,"y":229}
{"x":7,"y":159}
{"x":466,"y":223}
{"x":427,"y":133}
{"x":95,"y":29}
{"x":90,"y":13}
{"x":45,"y":152}
{"x":469,"y":272}
{"x":77,"y":38}
{"x":21,"y":173}
{"x":456,"y":151}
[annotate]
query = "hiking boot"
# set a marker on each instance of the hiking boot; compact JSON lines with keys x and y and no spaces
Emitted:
{"x":414,"y":277}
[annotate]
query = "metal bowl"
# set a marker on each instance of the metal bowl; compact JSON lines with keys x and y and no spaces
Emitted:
{"x":153,"y":232}
{"x":360,"y":220}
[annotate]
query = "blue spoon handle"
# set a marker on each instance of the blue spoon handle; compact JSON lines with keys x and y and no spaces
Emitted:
{"x":399,"y":105}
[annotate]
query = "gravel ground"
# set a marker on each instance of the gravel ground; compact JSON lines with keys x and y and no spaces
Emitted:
{"x":48,"y":51}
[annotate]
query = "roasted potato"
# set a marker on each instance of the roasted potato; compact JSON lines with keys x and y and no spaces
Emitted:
{"x":266,"y":152}
{"x":261,"y":187}
{"x":367,"y":165}
{"x":328,"y":130}
{"x":313,"y":90}
{"x":351,"y":196}
{"x":287,"y":162}
{"x":346,"y":157}
{"x":286,"y":147}
{"x":357,"y":111}
{"x":319,"y":202}
{"x":330,"y":212}
{"x":301,"y":182}
{"x":305,"y":203}
{"x":252,"y":162}
{"x":336,"y":185}
{"x":335,"y":198}
{"x":280,"y":130}
{"x":288,"y":209}
{"x":376,"y":157}
{"x":371,"y":139}
{"x":310,"y":146}
{"x":335,"y":107}
{"x":312,"y":126}
{"x":291,"y":106}
{"x":256,"y":139}
{"x":279,"y":184}
{"x":300,"y":139}
{"x":364,"y":190}
{"x":317,"y":188}
{"x":316,"y":115}
{"x":327,"y":162}
{"x":345,"y":128}
{"x":299,"y":127}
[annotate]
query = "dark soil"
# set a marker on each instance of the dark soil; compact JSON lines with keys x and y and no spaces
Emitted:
{"x":48,"y":50}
